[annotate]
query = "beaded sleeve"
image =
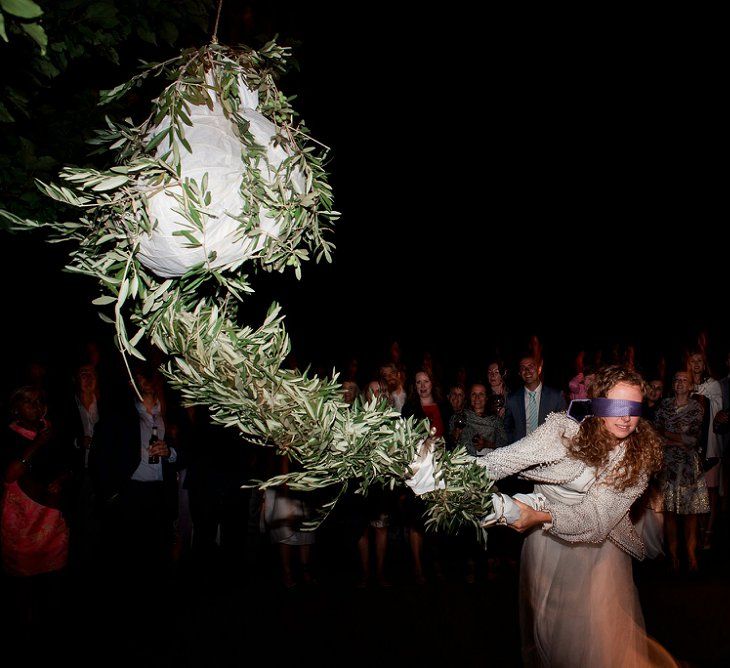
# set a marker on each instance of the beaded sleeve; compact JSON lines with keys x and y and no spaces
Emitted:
{"x":591,"y":520}
{"x":543,"y":446}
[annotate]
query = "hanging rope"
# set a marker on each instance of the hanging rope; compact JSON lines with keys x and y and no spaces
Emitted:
{"x":214,"y":36}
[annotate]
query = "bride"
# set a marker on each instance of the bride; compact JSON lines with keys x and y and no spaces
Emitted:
{"x":578,"y":602}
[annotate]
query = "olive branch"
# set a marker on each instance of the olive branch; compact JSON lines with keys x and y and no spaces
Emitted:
{"x":237,"y":371}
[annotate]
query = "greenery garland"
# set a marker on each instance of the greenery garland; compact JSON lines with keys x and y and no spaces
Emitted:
{"x":236,"y":371}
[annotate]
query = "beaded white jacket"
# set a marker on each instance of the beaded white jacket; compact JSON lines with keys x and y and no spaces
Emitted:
{"x":603,"y":513}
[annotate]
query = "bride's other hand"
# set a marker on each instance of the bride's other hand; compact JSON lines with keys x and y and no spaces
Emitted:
{"x":529,"y":518}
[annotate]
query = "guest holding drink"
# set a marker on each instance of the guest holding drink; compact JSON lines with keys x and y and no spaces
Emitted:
{"x":481,"y":432}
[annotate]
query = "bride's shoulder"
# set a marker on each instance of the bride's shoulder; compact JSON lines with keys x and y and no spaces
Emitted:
{"x":562,"y":425}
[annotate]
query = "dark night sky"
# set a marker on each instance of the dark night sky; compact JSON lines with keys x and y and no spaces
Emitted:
{"x":498,"y":177}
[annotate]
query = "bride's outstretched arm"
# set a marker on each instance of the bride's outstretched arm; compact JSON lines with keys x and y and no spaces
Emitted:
{"x":543,"y":446}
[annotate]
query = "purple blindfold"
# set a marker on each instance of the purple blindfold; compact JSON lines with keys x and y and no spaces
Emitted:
{"x":580,"y":409}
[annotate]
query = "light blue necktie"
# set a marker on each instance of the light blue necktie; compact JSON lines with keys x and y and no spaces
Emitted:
{"x":531,"y":411}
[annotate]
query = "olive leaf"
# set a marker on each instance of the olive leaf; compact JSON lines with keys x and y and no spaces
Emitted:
{"x":24,"y":9}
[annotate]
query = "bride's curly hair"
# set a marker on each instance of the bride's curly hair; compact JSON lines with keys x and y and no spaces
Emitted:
{"x":593,"y":442}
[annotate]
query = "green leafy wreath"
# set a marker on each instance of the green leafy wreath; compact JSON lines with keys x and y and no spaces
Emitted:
{"x":283,"y":214}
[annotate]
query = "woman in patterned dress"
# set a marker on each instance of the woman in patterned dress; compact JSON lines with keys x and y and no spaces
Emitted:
{"x":684,"y":491}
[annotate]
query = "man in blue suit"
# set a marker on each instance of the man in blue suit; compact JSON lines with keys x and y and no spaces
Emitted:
{"x":528,"y":407}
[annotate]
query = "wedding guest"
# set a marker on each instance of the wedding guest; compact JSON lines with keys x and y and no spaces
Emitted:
{"x":528,"y":406}
{"x":706,"y":386}
{"x":422,"y":404}
{"x":482,"y":431}
{"x":35,"y":464}
{"x":681,"y":479}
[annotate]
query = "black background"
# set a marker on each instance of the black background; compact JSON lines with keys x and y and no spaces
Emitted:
{"x":498,"y":175}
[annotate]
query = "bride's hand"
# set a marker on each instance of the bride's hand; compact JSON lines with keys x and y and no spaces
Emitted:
{"x":528,"y":517}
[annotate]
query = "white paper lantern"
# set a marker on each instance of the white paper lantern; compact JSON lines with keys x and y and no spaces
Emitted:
{"x":216,"y":150}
